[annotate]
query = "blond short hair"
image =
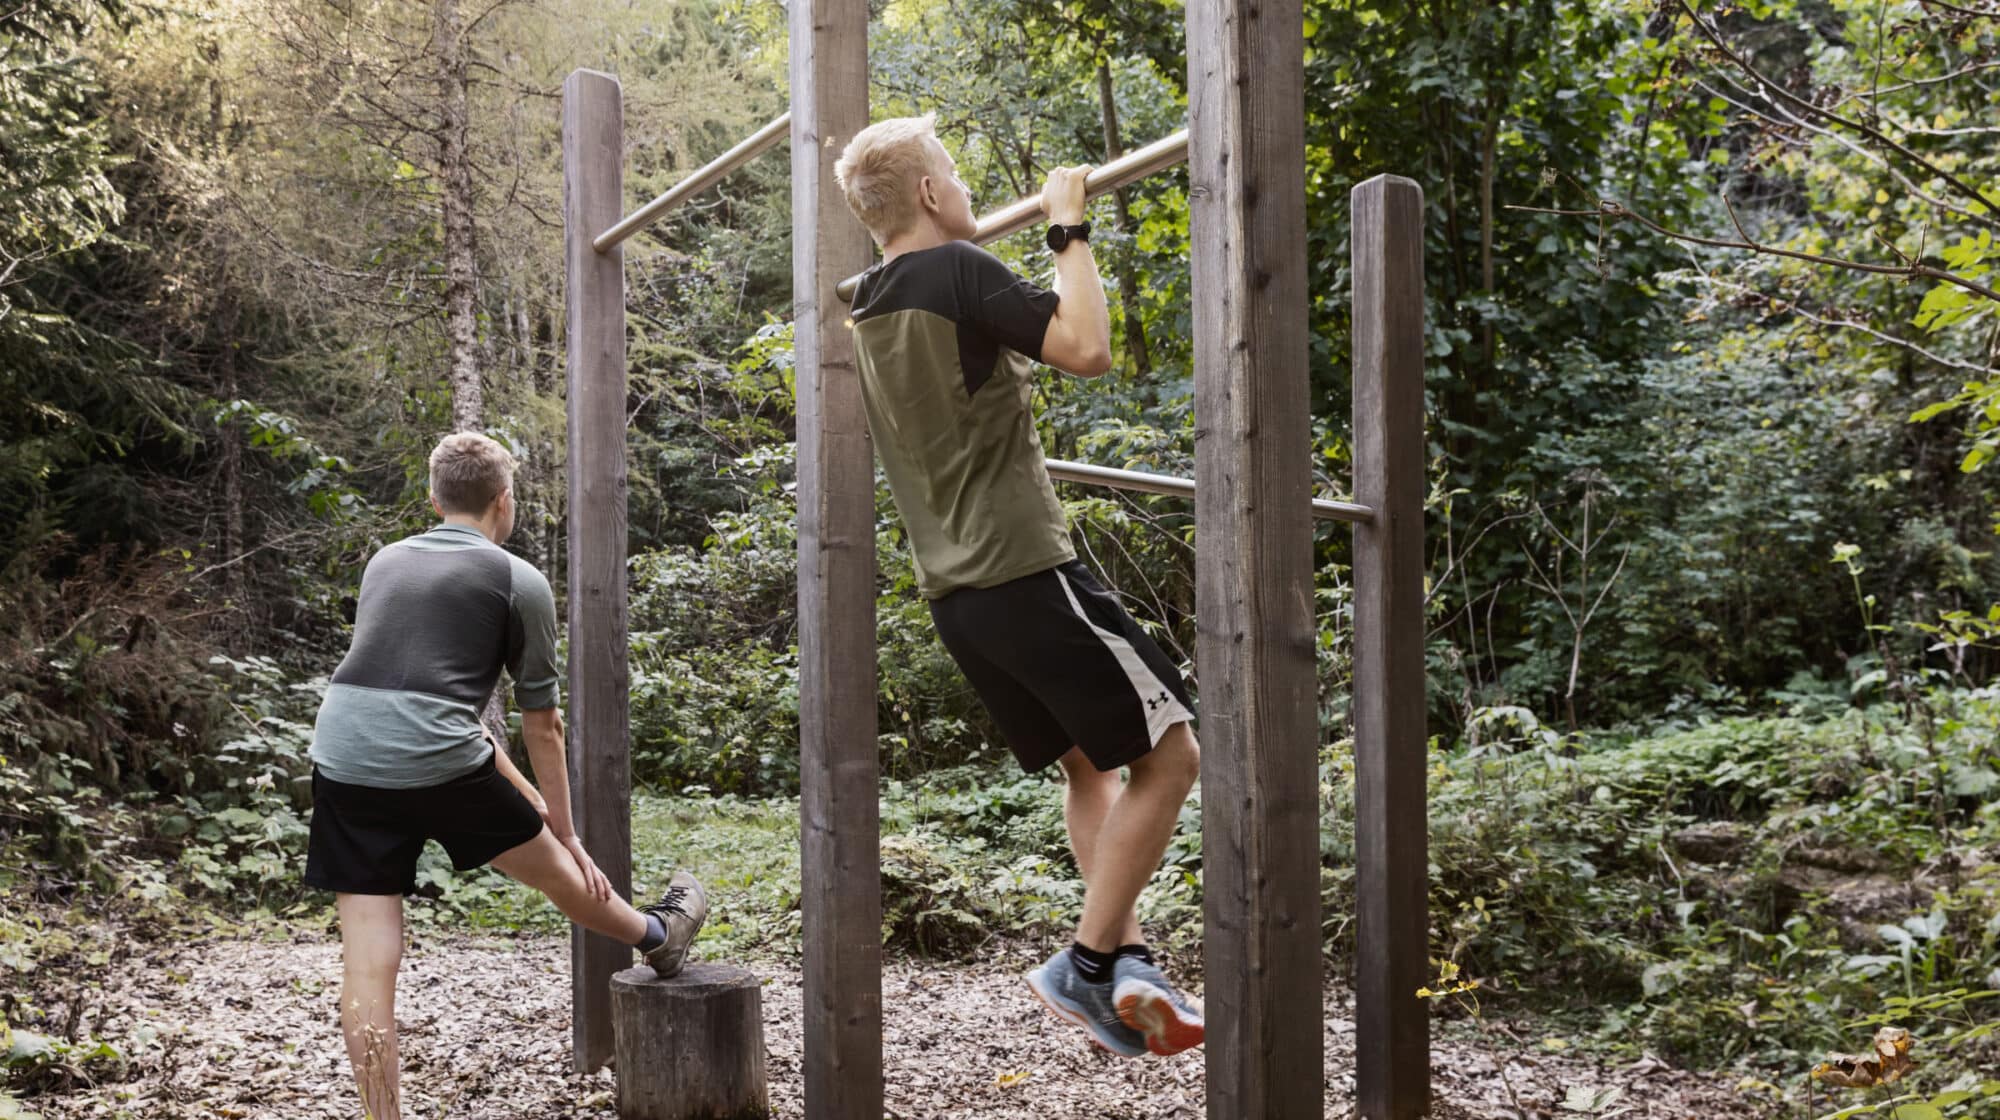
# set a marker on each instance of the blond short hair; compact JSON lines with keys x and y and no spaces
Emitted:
{"x":468,"y":471}
{"x":880,"y":170}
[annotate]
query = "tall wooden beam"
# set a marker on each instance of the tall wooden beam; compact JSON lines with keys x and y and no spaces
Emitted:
{"x":600,"y":773}
{"x":839,"y":804}
{"x":1392,"y":1027}
{"x":1254,"y":577}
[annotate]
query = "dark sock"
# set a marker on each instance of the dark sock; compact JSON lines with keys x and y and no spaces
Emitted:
{"x":656,"y":934}
{"x":1139,"y":951}
{"x":1093,"y":966}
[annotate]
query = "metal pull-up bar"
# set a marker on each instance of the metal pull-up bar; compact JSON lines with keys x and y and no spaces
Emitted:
{"x":1161,"y":154}
{"x":1323,"y":509}
{"x":1166,"y":152}
{"x":711,"y":173}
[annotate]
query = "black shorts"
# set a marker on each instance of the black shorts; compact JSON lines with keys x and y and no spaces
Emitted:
{"x":366,"y":840}
{"x":1060,"y":664}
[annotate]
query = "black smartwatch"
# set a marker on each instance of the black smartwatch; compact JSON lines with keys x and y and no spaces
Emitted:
{"x":1060,"y":236}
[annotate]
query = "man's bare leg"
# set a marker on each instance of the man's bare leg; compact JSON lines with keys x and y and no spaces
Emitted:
{"x":371,"y":950}
{"x":544,"y":864}
{"x":1087,"y":800}
{"x":1134,"y":837}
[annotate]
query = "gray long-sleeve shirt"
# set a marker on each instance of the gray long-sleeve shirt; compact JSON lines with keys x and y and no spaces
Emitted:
{"x":438,"y":616}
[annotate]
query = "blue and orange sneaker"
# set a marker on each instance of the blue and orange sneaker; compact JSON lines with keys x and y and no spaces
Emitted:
{"x":1087,"y":1005}
{"x":1149,"y":1004}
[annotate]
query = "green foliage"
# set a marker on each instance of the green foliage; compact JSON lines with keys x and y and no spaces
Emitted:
{"x":55,"y":195}
{"x":126,"y":762}
{"x":1741,"y":889}
{"x":40,"y":1063}
{"x":243,"y":832}
{"x":283,"y":438}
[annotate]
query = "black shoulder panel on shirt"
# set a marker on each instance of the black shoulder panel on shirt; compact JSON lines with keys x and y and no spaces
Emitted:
{"x":991,"y":306}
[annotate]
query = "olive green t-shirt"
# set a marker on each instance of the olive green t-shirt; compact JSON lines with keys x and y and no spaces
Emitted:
{"x":945,"y":340}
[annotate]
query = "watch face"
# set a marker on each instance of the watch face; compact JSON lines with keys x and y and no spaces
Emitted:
{"x":1058,"y":237}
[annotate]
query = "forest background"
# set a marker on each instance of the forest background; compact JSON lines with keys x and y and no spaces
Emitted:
{"x":1712,"y":339}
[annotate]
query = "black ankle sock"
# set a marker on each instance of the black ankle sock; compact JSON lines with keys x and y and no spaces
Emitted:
{"x":1093,"y":966}
{"x":656,"y":934}
{"x":1139,"y":951}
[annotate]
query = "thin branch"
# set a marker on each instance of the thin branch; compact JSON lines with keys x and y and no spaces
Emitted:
{"x":272,"y":543}
{"x":1937,"y":81}
{"x":1791,"y":307}
{"x":1607,"y":208}
{"x":1801,"y":103}
{"x":1978,"y":13}
{"x":1793,"y":121}
{"x":1624,"y":554}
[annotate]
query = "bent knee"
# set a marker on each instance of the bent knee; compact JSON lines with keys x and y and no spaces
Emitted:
{"x":1176,"y":758}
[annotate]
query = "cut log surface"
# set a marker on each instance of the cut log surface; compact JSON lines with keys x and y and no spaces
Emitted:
{"x":690,"y":1048}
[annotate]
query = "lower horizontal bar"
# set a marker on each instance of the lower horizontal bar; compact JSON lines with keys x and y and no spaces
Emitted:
{"x":1094,"y":475}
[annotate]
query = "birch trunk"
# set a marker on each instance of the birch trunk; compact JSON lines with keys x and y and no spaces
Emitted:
{"x":468,"y":398}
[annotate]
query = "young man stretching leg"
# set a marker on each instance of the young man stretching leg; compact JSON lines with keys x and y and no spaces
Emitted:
{"x":399,"y":756}
{"x":945,"y":337}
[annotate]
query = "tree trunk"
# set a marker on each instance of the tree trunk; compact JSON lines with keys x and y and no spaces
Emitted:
{"x":1496,"y":100}
{"x":232,"y":462}
{"x":1488,"y":142}
{"x":227,"y":321}
{"x":691,"y":1047}
{"x":468,"y":399}
{"x":1128,"y":280}
{"x":461,"y":319}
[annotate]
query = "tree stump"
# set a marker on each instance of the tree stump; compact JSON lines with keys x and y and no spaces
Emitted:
{"x":692,"y":1047}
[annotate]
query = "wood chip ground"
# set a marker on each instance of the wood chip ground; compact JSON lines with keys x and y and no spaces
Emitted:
{"x":246,"y":1029}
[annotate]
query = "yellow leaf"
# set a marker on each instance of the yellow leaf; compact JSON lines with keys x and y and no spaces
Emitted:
{"x":1881,"y":195}
{"x":1009,"y":1080}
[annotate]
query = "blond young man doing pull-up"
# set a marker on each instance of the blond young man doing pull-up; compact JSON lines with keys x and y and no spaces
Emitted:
{"x":945,"y":340}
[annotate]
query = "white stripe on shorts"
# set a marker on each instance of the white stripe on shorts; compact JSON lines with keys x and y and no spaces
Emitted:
{"x":1146,"y":684}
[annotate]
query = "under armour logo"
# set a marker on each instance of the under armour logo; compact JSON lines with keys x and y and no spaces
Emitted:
{"x":1155,"y":703}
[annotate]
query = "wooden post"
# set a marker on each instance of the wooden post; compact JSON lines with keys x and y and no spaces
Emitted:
{"x":600,"y":774}
{"x":1392,"y":1027}
{"x":1254,"y":577}
{"x":692,"y":1047}
{"x":839,"y":797}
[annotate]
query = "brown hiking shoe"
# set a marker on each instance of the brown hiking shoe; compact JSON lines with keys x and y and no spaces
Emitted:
{"x":682,"y":909}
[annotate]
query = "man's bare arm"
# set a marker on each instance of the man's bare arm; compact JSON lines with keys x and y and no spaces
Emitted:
{"x":1078,"y":338}
{"x":542,"y":731}
{"x":511,"y":772}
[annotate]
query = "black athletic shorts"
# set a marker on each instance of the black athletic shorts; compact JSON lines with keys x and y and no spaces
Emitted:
{"x":1059,"y":664}
{"x":366,"y":840}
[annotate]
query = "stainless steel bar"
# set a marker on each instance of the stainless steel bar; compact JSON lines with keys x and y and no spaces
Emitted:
{"x":1094,"y":475}
{"x":1168,"y":151}
{"x":711,"y":173}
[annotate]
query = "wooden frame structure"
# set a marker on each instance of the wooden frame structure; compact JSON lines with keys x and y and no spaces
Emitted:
{"x":1253,"y":505}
